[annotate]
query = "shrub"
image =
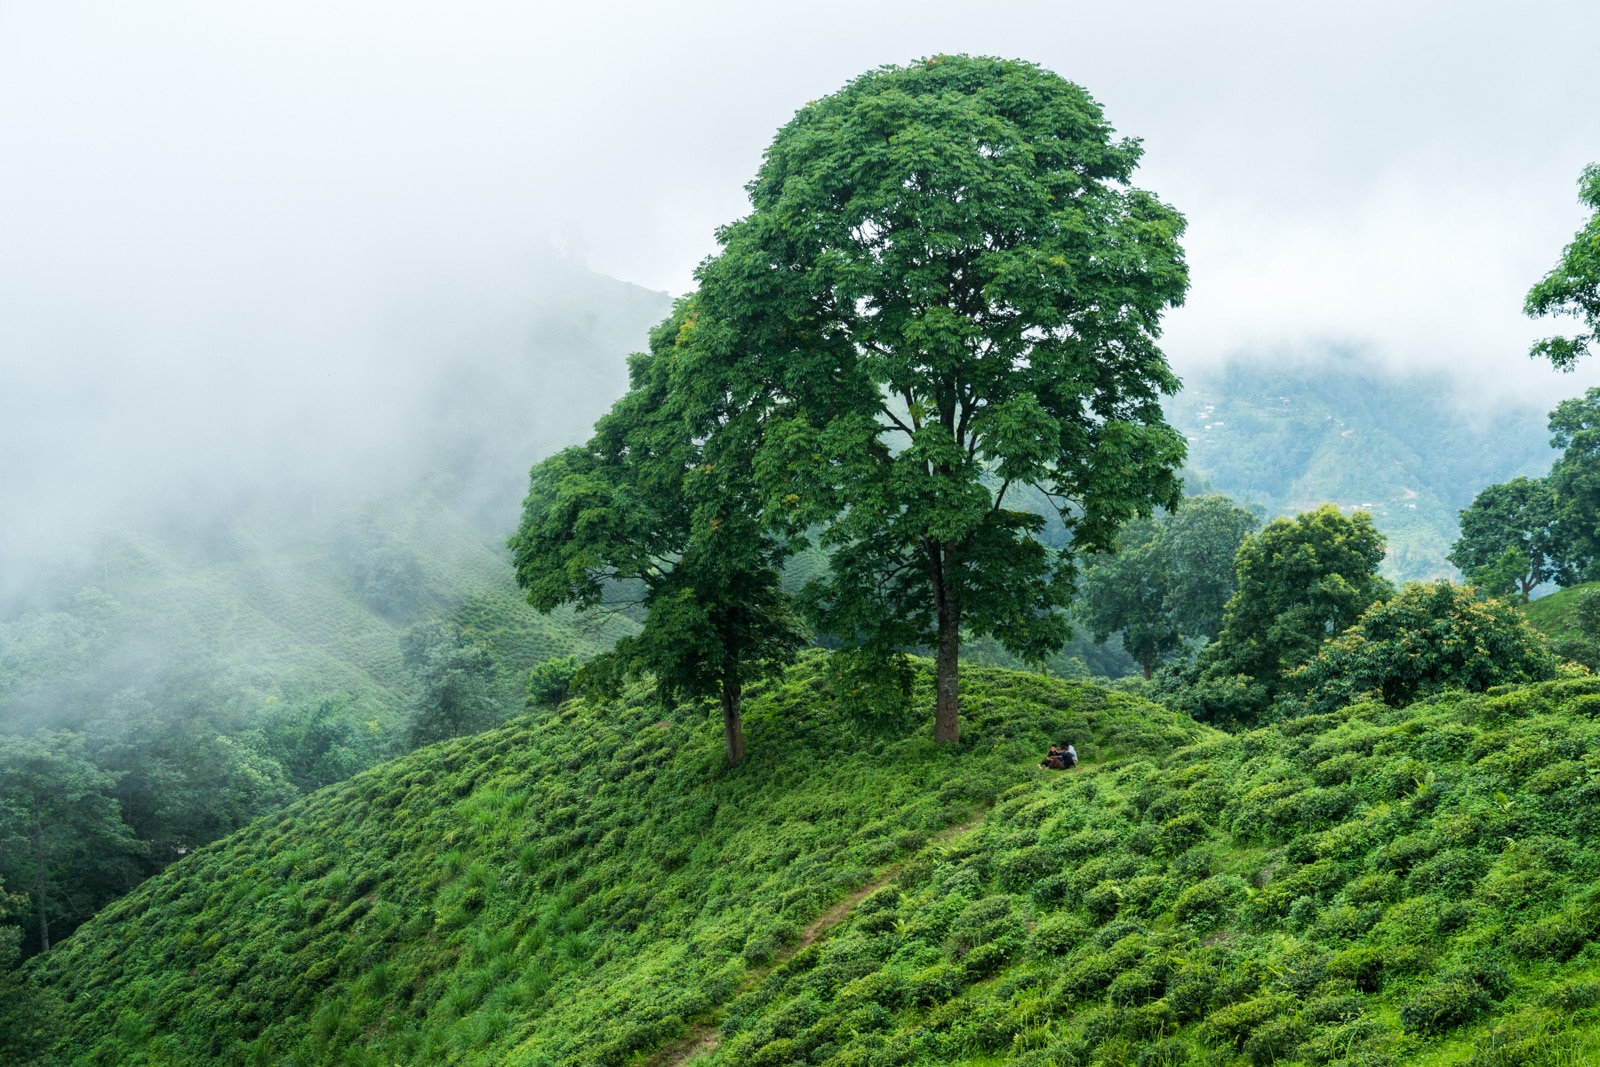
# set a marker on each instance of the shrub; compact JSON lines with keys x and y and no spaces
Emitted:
{"x":550,"y":682}
{"x":1361,"y":967}
{"x":1235,"y":1024}
{"x":1209,"y":903}
{"x":1057,"y":935}
{"x":1453,"y":872}
{"x":1425,"y":639}
{"x":1443,"y":1006}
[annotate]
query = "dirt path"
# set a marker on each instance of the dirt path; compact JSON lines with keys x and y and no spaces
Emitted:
{"x":703,"y":1039}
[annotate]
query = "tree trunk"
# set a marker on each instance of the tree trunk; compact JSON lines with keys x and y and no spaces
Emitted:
{"x":732,"y":718}
{"x":38,"y":859}
{"x":1146,"y":666}
{"x":948,"y":678}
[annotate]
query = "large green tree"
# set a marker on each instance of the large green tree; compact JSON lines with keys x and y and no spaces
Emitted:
{"x":1516,"y":517}
{"x":658,"y":510}
{"x":947,"y":287}
{"x":1573,"y":286}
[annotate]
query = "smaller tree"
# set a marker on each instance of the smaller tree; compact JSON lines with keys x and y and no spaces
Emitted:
{"x":320,"y":741}
{"x":1573,"y":287}
{"x":1429,"y":637}
{"x":1574,"y":481}
{"x":658,"y":506}
{"x":1510,"y":541}
{"x":1168,"y":580}
{"x":1203,"y":538}
{"x":1302,"y":581}
{"x":454,"y":694}
{"x":550,"y":682}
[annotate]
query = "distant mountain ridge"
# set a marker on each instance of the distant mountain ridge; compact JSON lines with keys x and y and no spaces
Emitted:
{"x":1412,"y":449}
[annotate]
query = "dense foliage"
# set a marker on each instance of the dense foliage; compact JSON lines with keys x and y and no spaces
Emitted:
{"x":1573,"y":286}
{"x":583,"y":888}
{"x":1301,"y":581}
{"x":1429,"y":638}
{"x":1169,"y":578}
{"x":947,"y":287}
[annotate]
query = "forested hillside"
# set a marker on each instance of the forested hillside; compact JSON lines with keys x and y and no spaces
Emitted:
{"x":1411,"y":449}
{"x":598,"y":886}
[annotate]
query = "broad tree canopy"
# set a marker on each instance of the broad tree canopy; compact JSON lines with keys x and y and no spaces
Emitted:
{"x":948,"y":286}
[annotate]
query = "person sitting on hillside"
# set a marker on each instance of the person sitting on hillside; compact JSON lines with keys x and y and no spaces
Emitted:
{"x":1061,"y":758}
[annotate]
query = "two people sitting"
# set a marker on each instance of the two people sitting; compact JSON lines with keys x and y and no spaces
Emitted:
{"x":1061,"y":758}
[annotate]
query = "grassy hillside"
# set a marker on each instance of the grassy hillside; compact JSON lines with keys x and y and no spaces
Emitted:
{"x":1555,"y":615}
{"x":568,"y":889}
{"x":1292,"y":436}
{"x":596,"y":887}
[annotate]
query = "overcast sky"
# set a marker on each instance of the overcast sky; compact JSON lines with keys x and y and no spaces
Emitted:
{"x":189,"y":191}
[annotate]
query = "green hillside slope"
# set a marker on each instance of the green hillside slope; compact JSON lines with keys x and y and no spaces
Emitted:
{"x":1555,"y":615}
{"x":570,"y":889}
{"x":597,"y":887}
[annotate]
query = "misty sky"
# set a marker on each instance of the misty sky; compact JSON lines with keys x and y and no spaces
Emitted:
{"x":222,"y":216}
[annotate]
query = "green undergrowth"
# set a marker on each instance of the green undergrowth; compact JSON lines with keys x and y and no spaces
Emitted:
{"x":1556,"y":615}
{"x":1369,"y":887}
{"x":578,"y":887}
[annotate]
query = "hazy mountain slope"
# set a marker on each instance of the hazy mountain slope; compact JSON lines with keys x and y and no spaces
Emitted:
{"x":1413,"y":450}
{"x":277,"y":612}
{"x":568,"y":889}
{"x":592,"y":887}
{"x":296,"y":576}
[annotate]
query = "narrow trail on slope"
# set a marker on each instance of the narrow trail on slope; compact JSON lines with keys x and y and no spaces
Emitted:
{"x":703,"y":1038}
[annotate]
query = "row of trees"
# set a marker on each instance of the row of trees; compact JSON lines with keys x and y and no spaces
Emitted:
{"x":947,"y":289}
{"x":1304,"y":622}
